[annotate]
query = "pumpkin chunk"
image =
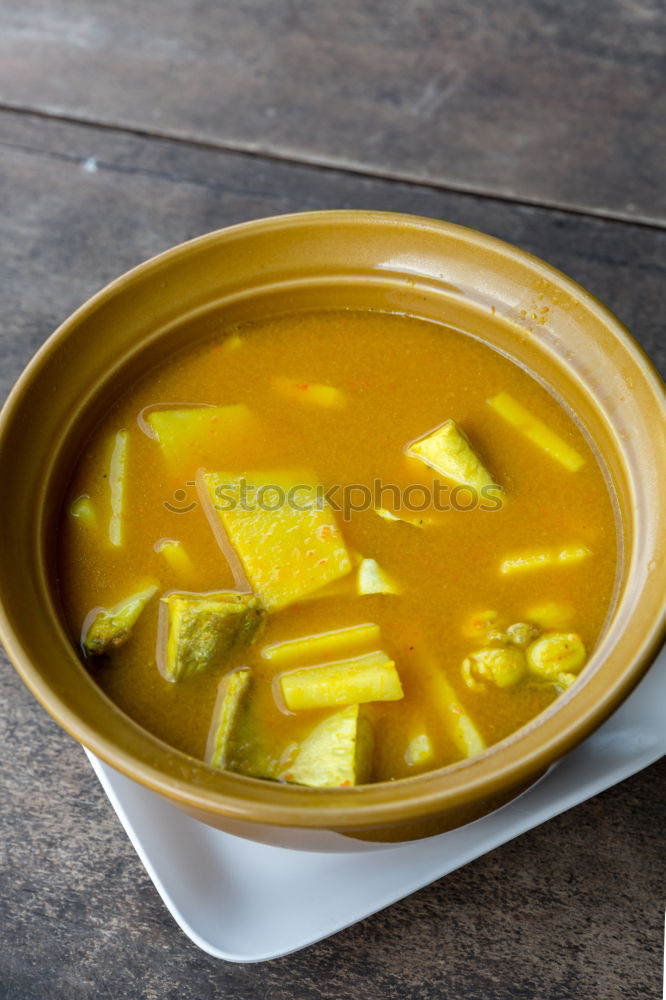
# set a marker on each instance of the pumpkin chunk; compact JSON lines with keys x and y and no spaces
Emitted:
{"x":195,"y":437}
{"x":337,"y":753}
{"x":204,"y":630}
{"x":280,"y":529}
{"x":449,"y":451}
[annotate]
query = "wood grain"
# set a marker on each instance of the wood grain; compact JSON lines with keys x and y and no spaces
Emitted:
{"x":84,"y":204}
{"x":572,"y":909}
{"x":524,"y":99}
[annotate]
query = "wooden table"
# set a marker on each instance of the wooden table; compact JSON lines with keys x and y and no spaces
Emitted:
{"x":125,"y":128}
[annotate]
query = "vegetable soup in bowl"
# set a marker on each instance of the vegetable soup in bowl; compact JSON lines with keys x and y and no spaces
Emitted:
{"x":335,"y":528}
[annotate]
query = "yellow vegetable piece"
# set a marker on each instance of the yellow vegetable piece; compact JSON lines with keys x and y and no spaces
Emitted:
{"x":420,"y":751}
{"x":555,"y":654}
{"x":416,"y":522}
{"x":232,"y":343}
{"x":280,"y":529}
{"x":204,"y":630}
{"x":550,"y":614}
{"x":355,"y":681}
{"x":337,"y":753}
{"x":254,"y":754}
{"x":108,"y":628}
{"x":84,"y":511}
{"x":457,"y":722}
{"x":310,"y":393}
{"x":343,"y":587}
{"x":372,"y":579}
{"x":313,"y":648}
{"x":465,"y":734}
{"x":176,"y":556}
{"x":117,"y":482}
{"x":536,"y":431}
{"x":197,"y":437}
{"x":570,"y":554}
{"x":387,"y":514}
{"x":448,"y":451}
{"x":230,"y":694}
{"x":501,"y":667}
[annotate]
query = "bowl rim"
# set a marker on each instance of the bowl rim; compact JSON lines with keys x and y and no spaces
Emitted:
{"x":370,"y":805}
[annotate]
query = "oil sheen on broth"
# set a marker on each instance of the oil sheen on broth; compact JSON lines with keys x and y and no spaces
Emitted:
{"x":474,"y":617}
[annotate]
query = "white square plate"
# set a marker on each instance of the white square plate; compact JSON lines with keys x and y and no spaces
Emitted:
{"x":247,"y":902}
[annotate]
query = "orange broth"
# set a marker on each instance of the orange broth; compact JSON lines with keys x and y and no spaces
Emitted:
{"x":400,"y":377}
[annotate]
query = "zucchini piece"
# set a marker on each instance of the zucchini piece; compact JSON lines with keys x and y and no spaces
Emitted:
{"x":355,"y":681}
{"x":556,"y":653}
{"x":312,"y":648}
{"x":197,"y":437}
{"x":566,"y":556}
{"x":108,"y":628}
{"x":372,"y":579}
{"x":449,"y":451}
{"x":536,"y":431}
{"x":280,"y":529}
{"x":310,"y":393}
{"x":337,"y":753}
{"x":204,"y":630}
{"x":117,"y":485}
{"x":230,"y":694}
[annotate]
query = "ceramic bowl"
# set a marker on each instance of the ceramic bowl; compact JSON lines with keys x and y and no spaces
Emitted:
{"x":361,"y":260}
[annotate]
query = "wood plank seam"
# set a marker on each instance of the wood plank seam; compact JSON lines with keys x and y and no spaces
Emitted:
{"x":342,"y":166}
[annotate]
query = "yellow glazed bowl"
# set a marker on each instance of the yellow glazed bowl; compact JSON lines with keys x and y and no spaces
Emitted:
{"x":360,"y":260}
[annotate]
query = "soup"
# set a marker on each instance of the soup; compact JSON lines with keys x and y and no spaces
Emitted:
{"x":336,"y":547}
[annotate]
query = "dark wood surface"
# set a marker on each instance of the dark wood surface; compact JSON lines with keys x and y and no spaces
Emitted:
{"x":570,"y":911}
{"x":535,"y":100}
